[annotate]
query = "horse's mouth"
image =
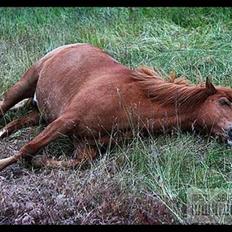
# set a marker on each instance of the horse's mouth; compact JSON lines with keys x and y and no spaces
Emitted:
{"x":229,"y":141}
{"x":224,"y":134}
{"x":229,"y":136}
{"x":225,"y":137}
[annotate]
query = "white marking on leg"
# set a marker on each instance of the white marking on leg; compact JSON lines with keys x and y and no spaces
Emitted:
{"x":6,"y":162}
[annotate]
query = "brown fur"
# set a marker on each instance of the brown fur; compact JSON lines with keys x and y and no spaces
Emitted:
{"x":174,"y":91}
{"x":84,"y":93}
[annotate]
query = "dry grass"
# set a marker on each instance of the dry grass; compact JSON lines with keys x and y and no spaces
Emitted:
{"x":94,"y":195}
{"x":63,"y":198}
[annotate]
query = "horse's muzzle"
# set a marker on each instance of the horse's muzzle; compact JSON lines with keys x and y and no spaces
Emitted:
{"x":229,"y":136}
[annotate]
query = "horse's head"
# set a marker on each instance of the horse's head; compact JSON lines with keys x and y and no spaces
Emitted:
{"x":215,"y":114}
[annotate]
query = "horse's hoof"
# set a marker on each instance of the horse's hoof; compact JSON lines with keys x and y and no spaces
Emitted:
{"x":39,"y":161}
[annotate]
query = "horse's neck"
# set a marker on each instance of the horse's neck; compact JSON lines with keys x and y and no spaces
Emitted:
{"x":166,"y":119}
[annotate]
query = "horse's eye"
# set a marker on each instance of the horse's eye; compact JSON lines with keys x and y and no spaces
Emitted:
{"x":225,"y":101}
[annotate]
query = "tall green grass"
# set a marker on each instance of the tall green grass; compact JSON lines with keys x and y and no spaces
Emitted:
{"x":195,"y":42}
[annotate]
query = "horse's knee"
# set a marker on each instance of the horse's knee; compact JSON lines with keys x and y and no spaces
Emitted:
{"x":28,"y":150}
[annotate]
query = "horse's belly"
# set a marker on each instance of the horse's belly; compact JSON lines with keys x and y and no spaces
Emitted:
{"x":51,"y":99}
{"x":55,"y":90}
{"x":48,"y":108}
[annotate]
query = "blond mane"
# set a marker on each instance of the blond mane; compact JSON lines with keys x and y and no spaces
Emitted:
{"x":171,"y":92}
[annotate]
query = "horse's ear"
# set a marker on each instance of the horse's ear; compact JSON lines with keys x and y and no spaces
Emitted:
{"x":210,"y":87}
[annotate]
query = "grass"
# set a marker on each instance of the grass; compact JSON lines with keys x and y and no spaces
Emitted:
{"x":195,"y":42}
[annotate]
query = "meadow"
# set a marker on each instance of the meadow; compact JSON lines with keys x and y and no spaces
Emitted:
{"x":144,"y":181}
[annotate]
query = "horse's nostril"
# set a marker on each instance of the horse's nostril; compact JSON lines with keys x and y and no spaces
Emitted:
{"x":230,"y":132}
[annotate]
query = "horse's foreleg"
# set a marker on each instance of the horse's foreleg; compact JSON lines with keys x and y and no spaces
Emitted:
{"x":28,"y":120}
{"x":62,"y":125}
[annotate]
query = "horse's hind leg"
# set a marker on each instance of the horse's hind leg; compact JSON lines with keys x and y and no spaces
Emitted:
{"x":24,"y":103}
{"x":82,"y":155}
{"x":24,"y":88}
{"x":30,"y":119}
{"x":85,"y":151}
{"x":61,"y":125}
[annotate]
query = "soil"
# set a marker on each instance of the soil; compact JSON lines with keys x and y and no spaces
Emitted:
{"x":89,"y":196}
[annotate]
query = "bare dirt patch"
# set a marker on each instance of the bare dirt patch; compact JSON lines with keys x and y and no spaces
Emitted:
{"x":88,"y":196}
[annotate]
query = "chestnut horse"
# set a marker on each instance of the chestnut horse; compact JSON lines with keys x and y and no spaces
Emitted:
{"x":82,"y":92}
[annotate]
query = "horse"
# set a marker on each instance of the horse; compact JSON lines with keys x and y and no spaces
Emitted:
{"x":82,"y":92}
